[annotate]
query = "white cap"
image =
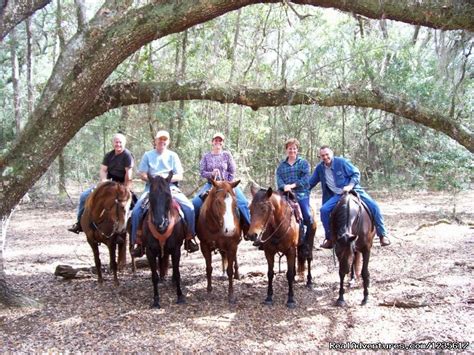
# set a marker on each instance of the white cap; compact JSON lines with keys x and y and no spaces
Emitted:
{"x":162,"y":133}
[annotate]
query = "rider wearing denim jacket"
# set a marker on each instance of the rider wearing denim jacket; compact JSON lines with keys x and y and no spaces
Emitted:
{"x":337,"y":175}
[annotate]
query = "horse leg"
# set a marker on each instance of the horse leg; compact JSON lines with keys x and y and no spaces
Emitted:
{"x":224,"y":263}
{"x":207,"y":254}
{"x":154,"y":278}
{"x":309,"y":277}
{"x":113,"y":262}
{"x":270,"y":262}
{"x":340,"y":301}
{"x":231,"y":259}
{"x":122,"y":253}
{"x":290,"y":276}
{"x":365,"y":276}
{"x":236,"y":268}
{"x":98,"y":266}
{"x":175,"y":258}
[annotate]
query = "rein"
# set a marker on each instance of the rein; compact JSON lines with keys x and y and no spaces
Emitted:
{"x":278,"y":227}
{"x":96,"y":225}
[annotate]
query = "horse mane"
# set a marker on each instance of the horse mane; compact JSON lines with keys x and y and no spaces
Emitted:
{"x":98,"y":192}
{"x":340,"y":215}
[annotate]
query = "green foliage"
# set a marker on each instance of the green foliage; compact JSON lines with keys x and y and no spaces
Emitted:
{"x":274,"y":48}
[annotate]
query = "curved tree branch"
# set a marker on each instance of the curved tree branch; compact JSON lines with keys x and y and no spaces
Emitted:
{"x":12,"y":12}
{"x":140,"y":93}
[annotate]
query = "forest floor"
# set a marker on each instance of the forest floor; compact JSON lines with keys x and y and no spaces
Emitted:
{"x":421,"y":292}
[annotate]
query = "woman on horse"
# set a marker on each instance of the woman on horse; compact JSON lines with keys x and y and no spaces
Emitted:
{"x":292,"y":175}
{"x":117,"y":165}
{"x":220,"y":165}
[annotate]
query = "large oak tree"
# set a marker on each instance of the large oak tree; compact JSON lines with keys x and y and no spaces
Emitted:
{"x":74,"y":93}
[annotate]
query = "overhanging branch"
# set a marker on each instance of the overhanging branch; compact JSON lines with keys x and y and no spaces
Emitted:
{"x":118,"y":95}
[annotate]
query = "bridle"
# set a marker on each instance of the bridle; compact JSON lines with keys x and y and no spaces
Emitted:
{"x":270,"y":214}
{"x":115,"y":221}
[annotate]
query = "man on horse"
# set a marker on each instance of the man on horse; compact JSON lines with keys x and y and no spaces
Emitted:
{"x":337,"y":175}
{"x":160,"y":161}
{"x":117,"y":165}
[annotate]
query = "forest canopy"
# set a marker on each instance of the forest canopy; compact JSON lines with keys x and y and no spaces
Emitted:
{"x":388,"y":85}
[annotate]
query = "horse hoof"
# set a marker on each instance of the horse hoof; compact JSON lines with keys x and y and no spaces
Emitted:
{"x":309,"y":286}
{"x":155,"y":306}
{"x":291,"y":305}
{"x":232,"y":300}
{"x":181,"y":300}
{"x":268,"y":302}
{"x":340,"y":303}
{"x":364,"y":302}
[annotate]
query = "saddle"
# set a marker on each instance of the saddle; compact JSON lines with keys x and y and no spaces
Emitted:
{"x":290,"y":197}
{"x":363,"y":204}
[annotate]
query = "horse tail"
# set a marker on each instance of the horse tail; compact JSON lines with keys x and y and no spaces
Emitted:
{"x":301,"y":262}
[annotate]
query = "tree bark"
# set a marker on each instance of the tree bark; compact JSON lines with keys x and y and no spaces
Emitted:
{"x":140,"y":93}
{"x":15,"y":11}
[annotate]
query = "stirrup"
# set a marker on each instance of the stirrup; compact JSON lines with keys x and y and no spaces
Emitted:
{"x":138,"y":251}
{"x":75,"y":228}
{"x":191,"y":246}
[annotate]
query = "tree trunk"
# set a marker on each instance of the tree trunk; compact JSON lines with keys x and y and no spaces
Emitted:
{"x":15,"y":82}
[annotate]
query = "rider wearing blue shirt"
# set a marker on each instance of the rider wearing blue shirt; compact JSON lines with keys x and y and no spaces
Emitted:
{"x":337,"y":175}
{"x":160,"y":161}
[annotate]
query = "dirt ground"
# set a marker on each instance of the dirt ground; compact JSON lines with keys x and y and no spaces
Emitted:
{"x":421,"y":292}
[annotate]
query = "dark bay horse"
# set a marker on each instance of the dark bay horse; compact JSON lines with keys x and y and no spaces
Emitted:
{"x":104,"y":221}
{"x":274,"y":228}
{"x":354,"y":230}
{"x":164,"y":231}
{"x":218,"y":228}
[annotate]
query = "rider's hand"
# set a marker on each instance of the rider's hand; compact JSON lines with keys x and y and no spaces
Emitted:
{"x":347,"y":188}
{"x":288,"y":188}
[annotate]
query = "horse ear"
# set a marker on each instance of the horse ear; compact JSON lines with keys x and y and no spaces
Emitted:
{"x":150,"y":177}
{"x":235,"y":183}
{"x":352,"y":238}
{"x":269,"y":192}
{"x":213,"y":182}
{"x":170,"y":176}
{"x":253,"y":189}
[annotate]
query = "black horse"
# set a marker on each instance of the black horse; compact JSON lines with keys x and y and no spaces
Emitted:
{"x":164,"y":231}
{"x":353,"y":227}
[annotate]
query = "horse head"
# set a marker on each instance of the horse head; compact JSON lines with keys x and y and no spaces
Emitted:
{"x":342,"y":220}
{"x":261,"y":209}
{"x":223,"y":205}
{"x":160,"y":201}
{"x":123,"y":200}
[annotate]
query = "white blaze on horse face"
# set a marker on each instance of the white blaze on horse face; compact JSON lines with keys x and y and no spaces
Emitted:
{"x":229,"y":223}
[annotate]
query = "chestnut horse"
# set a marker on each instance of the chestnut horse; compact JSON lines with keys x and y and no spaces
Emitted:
{"x":218,"y":228}
{"x":104,"y":221}
{"x":164,"y":231}
{"x":353,"y":228}
{"x":275,"y":229}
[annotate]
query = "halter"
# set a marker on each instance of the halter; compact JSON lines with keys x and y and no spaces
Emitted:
{"x":276,"y":229}
{"x":114,"y":230}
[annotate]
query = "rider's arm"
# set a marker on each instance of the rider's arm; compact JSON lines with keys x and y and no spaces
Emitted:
{"x":103,"y":172}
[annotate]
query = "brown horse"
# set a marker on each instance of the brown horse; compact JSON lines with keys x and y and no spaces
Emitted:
{"x":275,"y":229}
{"x":219,"y":228}
{"x":164,"y":231}
{"x":353,"y":228}
{"x":104,"y":221}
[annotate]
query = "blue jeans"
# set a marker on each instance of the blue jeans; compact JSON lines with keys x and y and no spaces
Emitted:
{"x":329,"y":205}
{"x":242,"y":202}
{"x":185,"y":204}
{"x":82,"y":202}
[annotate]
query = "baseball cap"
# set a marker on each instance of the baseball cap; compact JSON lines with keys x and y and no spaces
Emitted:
{"x":220,"y":135}
{"x":162,"y":133}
